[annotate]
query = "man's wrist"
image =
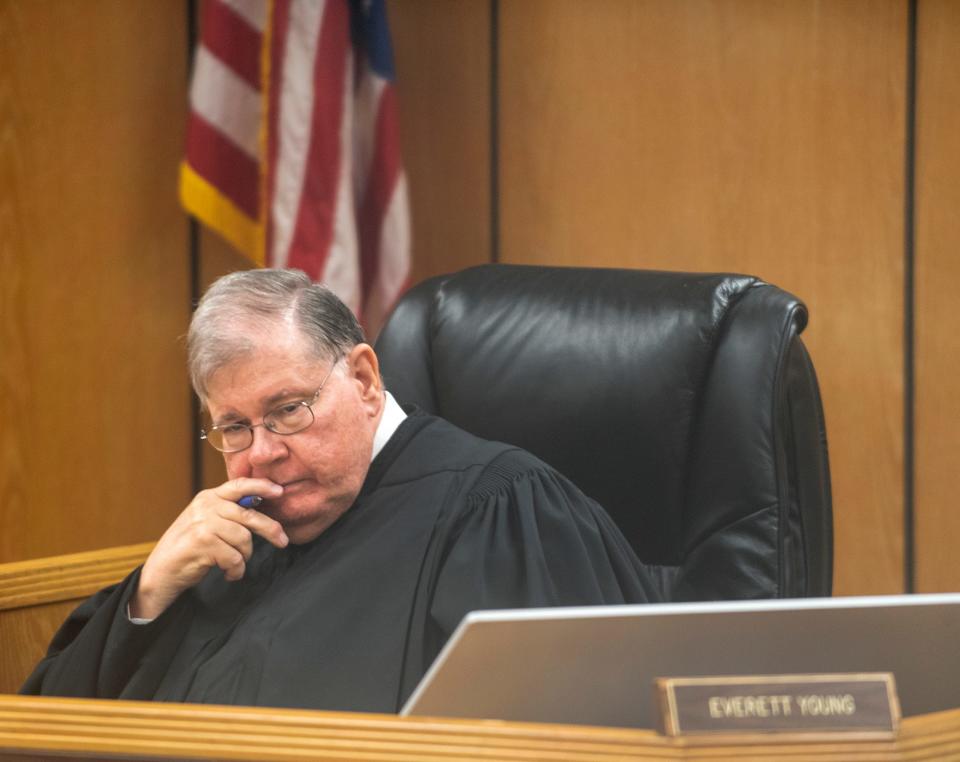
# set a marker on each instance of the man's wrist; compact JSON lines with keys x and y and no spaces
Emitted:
{"x":145,"y":603}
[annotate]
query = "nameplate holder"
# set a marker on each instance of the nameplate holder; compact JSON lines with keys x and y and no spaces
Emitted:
{"x":853,"y":706}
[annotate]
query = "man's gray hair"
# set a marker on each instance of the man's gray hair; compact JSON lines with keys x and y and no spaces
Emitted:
{"x":251,"y":304}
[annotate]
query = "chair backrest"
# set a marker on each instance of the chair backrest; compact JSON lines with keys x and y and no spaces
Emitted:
{"x":684,"y":403}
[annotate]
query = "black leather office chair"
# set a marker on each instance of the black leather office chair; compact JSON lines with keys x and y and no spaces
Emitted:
{"x":684,"y":403}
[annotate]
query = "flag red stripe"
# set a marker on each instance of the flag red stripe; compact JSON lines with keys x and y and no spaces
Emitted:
{"x":231,"y":39}
{"x":280,"y":24}
{"x":313,"y":233}
{"x":224,"y":165}
{"x":384,"y":172}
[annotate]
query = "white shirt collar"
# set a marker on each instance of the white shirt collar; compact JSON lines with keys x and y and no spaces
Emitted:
{"x":392,"y":417}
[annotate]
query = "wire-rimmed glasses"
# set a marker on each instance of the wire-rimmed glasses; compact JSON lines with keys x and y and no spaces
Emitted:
{"x":288,"y":418}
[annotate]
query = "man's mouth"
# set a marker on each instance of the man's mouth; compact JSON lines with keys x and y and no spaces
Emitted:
{"x":293,"y":485}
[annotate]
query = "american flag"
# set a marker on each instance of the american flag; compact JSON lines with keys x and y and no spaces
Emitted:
{"x":293,"y":151}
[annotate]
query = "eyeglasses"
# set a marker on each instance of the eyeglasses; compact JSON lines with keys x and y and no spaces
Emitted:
{"x":288,"y":418}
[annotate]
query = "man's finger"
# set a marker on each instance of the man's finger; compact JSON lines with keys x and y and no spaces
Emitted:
{"x":269,"y":529}
{"x":241,"y":487}
{"x":235,"y":534}
{"x":231,"y":561}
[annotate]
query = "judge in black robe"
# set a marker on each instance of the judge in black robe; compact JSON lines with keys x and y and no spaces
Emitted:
{"x":443,"y":524}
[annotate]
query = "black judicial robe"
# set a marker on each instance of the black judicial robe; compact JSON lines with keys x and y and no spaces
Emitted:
{"x":445,"y":523}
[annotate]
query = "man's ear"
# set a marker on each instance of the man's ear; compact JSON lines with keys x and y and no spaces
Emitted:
{"x":364,"y":368}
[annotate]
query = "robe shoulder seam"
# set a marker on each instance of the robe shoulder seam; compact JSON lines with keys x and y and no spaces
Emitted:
{"x":420,"y":477}
{"x":503,"y":472}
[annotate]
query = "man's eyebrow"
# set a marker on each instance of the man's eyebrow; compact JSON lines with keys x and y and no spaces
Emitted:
{"x":266,"y":405}
{"x":231,"y":416}
{"x":284,"y":394}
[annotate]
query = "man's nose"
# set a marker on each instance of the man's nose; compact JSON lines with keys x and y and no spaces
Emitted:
{"x":267,"y":447}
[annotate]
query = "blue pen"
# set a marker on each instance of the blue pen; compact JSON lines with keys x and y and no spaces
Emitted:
{"x":250,"y":501}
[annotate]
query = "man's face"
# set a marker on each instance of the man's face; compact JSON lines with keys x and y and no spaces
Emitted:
{"x":321,"y":468}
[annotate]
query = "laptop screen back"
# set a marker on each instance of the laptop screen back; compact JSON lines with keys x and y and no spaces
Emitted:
{"x":596,"y":665}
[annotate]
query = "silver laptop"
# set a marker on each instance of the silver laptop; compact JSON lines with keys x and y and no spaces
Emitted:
{"x":596,"y":665}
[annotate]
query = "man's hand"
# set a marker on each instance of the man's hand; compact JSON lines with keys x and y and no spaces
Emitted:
{"x":212,"y":531}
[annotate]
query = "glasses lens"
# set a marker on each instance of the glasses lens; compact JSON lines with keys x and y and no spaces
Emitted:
{"x":231,"y":438}
{"x":289,"y":418}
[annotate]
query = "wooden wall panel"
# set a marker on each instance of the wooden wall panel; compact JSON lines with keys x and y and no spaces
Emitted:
{"x":442,"y":52}
{"x":761,"y":137}
{"x":764,"y":137}
{"x":938,"y":272}
{"x":94,"y":290}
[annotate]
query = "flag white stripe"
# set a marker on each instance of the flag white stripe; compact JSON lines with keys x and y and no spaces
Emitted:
{"x":254,"y":12}
{"x":393,"y":258}
{"x":342,"y":269}
{"x":294,"y":122}
{"x":226,"y":101}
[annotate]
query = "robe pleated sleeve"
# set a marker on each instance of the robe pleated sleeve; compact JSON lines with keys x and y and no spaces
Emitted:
{"x":529,"y":538}
{"x":98,"y":652}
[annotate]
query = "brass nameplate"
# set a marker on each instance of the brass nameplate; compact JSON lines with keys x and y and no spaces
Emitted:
{"x":860,"y":704}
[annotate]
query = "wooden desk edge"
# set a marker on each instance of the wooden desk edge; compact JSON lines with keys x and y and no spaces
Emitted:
{"x":34,"y":726}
